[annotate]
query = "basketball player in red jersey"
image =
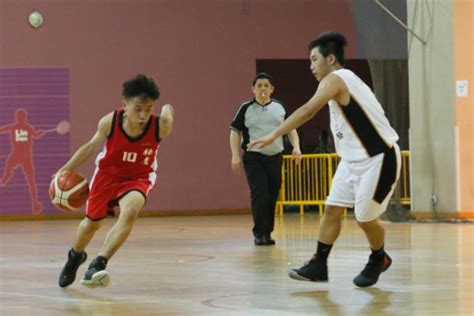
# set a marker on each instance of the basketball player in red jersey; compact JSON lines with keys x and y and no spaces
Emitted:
{"x":125,"y":174}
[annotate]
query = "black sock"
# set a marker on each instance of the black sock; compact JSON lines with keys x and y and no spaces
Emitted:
{"x":323,"y":250}
{"x":378,"y":254}
{"x":100,"y":262}
{"x":75,"y":253}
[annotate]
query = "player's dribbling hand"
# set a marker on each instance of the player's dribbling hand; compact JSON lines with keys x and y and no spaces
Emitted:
{"x":262,"y":142}
{"x":55,"y":175}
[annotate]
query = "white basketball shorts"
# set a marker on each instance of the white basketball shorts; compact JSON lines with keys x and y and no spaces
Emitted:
{"x":366,"y":185}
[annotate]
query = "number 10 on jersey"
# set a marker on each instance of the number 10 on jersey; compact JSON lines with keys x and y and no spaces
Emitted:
{"x":130,"y":157}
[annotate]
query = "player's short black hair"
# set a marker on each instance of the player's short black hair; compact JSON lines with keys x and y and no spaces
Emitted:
{"x":262,"y":75}
{"x":330,"y":43}
{"x":140,"y":86}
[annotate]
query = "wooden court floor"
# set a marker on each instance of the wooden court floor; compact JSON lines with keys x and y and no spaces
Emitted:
{"x":208,"y":265}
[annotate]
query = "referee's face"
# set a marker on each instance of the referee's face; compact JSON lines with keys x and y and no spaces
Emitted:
{"x":262,"y":90}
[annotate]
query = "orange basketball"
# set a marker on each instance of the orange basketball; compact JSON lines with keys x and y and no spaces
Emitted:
{"x":69,"y":190}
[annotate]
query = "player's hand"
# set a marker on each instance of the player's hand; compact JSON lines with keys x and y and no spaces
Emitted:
{"x":262,"y":142}
{"x":296,"y":155}
{"x":235,"y":164}
{"x":55,"y":175}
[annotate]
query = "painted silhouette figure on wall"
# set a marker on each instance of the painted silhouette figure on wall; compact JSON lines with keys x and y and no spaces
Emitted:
{"x":21,"y":155}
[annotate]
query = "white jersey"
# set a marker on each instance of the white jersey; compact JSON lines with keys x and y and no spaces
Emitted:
{"x":360,"y":128}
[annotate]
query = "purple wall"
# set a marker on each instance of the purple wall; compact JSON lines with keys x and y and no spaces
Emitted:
{"x":202,"y":54}
{"x":28,"y":157}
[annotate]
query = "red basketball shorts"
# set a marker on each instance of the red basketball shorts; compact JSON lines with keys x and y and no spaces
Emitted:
{"x":106,"y":192}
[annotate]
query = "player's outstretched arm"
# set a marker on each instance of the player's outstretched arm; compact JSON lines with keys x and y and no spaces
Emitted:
{"x":328,"y":89}
{"x":93,"y":146}
{"x":167,"y":116}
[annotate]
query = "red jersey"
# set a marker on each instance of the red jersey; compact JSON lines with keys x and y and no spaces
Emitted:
{"x":130,"y":158}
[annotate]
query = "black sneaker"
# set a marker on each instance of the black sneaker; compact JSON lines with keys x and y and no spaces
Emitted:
{"x":264,"y":241}
{"x":268,"y":240}
{"x":260,"y":241}
{"x":313,"y":270}
{"x":370,"y":275}
{"x":68,"y":274}
{"x":96,"y":275}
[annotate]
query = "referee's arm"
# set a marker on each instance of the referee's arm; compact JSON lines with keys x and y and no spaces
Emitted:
{"x":234,"y":141}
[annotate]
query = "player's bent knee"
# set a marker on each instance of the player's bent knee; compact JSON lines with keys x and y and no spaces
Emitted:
{"x":134,"y":200}
{"x":331,"y":211}
{"x":369,"y":224}
{"x":129,"y":215}
{"x":91,"y":225}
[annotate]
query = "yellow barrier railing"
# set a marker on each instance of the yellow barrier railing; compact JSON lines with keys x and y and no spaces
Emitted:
{"x":309,"y":182}
{"x":403,"y":187}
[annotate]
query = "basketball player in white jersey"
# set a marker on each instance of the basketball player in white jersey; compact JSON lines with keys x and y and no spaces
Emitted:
{"x":370,"y":158}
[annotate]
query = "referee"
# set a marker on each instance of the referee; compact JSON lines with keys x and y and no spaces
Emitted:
{"x":255,"y":119}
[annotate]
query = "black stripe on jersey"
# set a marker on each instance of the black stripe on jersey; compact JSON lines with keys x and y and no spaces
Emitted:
{"x":283,"y":106}
{"x":387,"y":177}
{"x":363,"y":128}
{"x":157,"y":129}
{"x":238,"y":123}
{"x":113,"y":125}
